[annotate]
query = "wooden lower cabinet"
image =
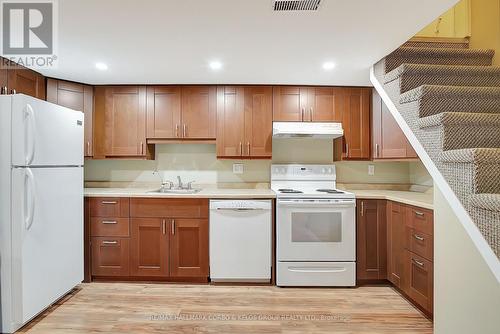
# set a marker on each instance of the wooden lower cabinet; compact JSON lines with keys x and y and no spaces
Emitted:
{"x":149,"y":251}
{"x":189,"y":248}
{"x":110,"y":256}
{"x":371,"y":244}
{"x":395,"y":242}
{"x":418,"y":283}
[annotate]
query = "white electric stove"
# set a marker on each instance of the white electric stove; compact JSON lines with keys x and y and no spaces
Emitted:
{"x":316,"y":232}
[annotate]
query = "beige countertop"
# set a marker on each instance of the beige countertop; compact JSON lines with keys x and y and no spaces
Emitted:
{"x":204,"y":193}
{"x":420,"y":199}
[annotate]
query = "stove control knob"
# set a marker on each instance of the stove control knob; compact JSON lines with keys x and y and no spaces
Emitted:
{"x":329,"y":170}
{"x":323,"y":171}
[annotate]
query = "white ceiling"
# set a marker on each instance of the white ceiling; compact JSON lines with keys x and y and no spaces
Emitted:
{"x":166,"y":41}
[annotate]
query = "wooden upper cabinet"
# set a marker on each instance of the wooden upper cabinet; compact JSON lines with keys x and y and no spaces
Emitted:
{"x":290,"y":103}
{"x":258,"y":121}
{"x":163,"y":112}
{"x":77,"y":97}
{"x":25,"y":81}
{"x":199,"y":108}
{"x":230,"y":121}
{"x":371,"y":240}
{"x":355,"y":144}
{"x":120,"y":122}
{"x":389,"y":141}
{"x":149,"y":247}
{"x":245,"y":118}
{"x":189,"y":248}
{"x":325,"y":104}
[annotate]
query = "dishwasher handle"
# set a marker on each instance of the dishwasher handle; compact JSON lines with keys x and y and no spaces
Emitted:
{"x":241,"y":209}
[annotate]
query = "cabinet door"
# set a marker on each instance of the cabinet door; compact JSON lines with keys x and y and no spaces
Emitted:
{"x":393,"y":140}
{"x":163,"y":112}
{"x":110,"y":256}
{"x":356,"y":123}
{"x":199,"y":108}
{"x":230,"y":121}
{"x":396,"y":243}
{"x":149,"y":247}
{"x":325,"y":104}
{"x":371,"y":261}
{"x":289,"y":103}
{"x":77,"y":97}
{"x":25,"y":81}
{"x":419,"y":280}
{"x":4,"y":75}
{"x":258,"y":122}
{"x":120,"y":121}
{"x":189,"y":248}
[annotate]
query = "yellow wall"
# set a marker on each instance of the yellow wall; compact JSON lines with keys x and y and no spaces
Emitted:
{"x":455,"y":23}
{"x":485,"y":30}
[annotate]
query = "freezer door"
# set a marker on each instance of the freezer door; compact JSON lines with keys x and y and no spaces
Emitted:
{"x":45,"y":134}
{"x":47,"y":237}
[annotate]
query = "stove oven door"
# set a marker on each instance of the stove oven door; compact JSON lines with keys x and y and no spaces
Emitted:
{"x":316,"y":230}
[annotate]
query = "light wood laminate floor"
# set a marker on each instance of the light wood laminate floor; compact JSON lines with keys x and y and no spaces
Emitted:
{"x":169,"y":308}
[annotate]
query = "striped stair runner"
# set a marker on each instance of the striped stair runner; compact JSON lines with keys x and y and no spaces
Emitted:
{"x":450,"y":99}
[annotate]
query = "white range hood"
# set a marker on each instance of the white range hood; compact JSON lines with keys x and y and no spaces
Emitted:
{"x":328,"y":130}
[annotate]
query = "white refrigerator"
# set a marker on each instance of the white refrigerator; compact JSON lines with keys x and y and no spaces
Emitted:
{"x":41,"y":206}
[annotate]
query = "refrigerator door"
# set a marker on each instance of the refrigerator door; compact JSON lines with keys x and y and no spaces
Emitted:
{"x":47,"y":237}
{"x":45,"y":134}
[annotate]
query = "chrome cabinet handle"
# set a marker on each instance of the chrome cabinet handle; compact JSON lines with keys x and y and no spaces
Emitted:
{"x":418,"y":213}
{"x":177,"y":130}
{"x":106,"y":242}
{"x":419,"y":263}
{"x":142,"y":148}
{"x":184,"y":130}
{"x":173,"y":226}
{"x":311,"y":114}
{"x":376,"y":150}
{"x":241,"y":149}
{"x":302,"y":113}
{"x":88,"y":148}
{"x":109,"y":202}
{"x":109,"y":222}
{"x":163,"y":226}
{"x":362,"y":208}
{"x":248,"y":148}
{"x":419,"y":238}
{"x":347,"y":149}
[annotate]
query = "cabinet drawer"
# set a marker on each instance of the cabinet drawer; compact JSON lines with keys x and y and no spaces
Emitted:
{"x":110,"y":256}
{"x":420,"y":243}
{"x":109,"y":207}
{"x":109,"y":227}
{"x":419,"y":280}
{"x":420,"y":219}
{"x":171,"y":208}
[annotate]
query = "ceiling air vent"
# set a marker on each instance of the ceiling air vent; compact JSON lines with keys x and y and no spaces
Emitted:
{"x":294,"y":5}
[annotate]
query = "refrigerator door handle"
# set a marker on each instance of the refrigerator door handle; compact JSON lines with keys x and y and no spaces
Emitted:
{"x":30,"y":150}
{"x":30,"y":214}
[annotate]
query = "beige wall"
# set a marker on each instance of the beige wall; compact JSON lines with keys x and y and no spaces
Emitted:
{"x":419,"y":174}
{"x":485,"y":30}
{"x":198,"y":162}
{"x":466,"y":294}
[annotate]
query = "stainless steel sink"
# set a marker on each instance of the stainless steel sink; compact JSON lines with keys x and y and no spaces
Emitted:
{"x":175,"y":191}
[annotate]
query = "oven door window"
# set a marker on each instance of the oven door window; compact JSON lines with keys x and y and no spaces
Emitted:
{"x":316,"y":227}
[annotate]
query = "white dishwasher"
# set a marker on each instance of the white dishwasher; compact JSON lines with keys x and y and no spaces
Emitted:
{"x":240,"y":240}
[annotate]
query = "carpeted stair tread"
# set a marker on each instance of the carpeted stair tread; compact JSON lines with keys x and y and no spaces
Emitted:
{"x":486,"y":201}
{"x":441,"y":56}
{"x":414,"y":75}
{"x":437,"y":43}
{"x":461,"y":118}
{"x":472,"y":155}
{"x":435,"y":99}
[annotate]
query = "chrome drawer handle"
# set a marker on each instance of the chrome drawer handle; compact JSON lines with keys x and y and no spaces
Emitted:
{"x":109,"y":222}
{"x":105,"y":242}
{"x":109,"y":202}
{"x":419,"y":238}
{"x":418,"y":213}
{"x":420,"y":264}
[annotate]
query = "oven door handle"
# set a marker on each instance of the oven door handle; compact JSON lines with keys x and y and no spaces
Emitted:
{"x":316,"y":269}
{"x":302,"y":203}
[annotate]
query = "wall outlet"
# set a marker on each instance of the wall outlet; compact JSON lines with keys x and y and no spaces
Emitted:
{"x":371,"y":169}
{"x":238,"y":168}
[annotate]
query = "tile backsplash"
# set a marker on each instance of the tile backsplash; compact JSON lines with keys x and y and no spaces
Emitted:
{"x":198,"y":162}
